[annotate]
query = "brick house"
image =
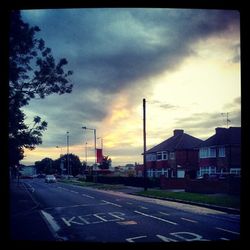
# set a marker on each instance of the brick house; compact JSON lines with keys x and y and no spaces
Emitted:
{"x":221,"y":152}
{"x":175,"y":157}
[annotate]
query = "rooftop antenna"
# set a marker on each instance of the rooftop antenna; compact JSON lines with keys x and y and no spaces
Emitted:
{"x":227,"y":120}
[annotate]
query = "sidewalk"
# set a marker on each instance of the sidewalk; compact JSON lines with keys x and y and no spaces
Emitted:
{"x":26,"y":223}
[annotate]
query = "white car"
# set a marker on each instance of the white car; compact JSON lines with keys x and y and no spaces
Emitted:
{"x":50,"y":178}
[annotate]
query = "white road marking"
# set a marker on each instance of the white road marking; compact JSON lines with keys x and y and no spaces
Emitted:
{"x":143,"y":207}
{"x":186,"y":236}
{"x":91,"y":197}
{"x":157,"y":218}
{"x":224,"y":239}
{"x":50,"y":219}
{"x":134,"y":238}
{"x":130,"y":203}
{"x":71,"y":221}
{"x":75,"y":192}
{"x":165,"y":239}
{"x":111,"y":203}
{"x":80,"y":205}
{"x":32,"y":189}
{"x":229,"y":231}
{"x":52,"y":224}
{"x":164,"y":213}
{"x":193,"y":221}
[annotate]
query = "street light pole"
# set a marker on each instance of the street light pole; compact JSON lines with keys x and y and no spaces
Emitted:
{"x":94,"y":139}
{"x":86,"y":153}
{"x":144,"y":145}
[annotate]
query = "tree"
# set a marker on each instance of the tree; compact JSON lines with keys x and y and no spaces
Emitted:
{"x":106,"y":162}
{"x":33,"y":73}
{"x":45,"y":166}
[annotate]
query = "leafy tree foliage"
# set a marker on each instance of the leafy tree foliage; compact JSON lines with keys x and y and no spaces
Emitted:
{"x":48,"y":166}
{"x":106,"y":163}
{"x":33,"y":74}
{"x":45,"y":166}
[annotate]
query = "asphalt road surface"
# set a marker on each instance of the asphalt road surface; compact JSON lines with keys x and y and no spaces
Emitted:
{"x":81,"y":214}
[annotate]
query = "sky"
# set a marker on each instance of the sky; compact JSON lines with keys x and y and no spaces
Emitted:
{"x":184,"y":62}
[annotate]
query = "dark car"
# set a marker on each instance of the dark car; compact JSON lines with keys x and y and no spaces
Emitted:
{"x":50,"y":178}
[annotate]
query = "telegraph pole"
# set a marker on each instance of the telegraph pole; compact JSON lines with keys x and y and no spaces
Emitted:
{"x":68,"y":153}
{"x":144,"y":144}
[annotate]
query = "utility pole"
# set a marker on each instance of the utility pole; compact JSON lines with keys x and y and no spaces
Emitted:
{"x":68,"y":153}
{"x":144,"y":145}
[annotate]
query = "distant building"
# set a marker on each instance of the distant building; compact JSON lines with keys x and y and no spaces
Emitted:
{"x":175,"y":157}
{"x":221,"y":152}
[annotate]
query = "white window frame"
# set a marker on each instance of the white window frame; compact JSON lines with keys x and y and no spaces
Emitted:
{"x":164,"y":155}
{"x":172,"y":156}
{"x":236,"y":171}
{"x":212,"y":152}
{"x":157,"y":155}
{"x":150,"y":157}
{"x":207,"y":152}
{"x":207,"y":170}
{"x":222,"y":152}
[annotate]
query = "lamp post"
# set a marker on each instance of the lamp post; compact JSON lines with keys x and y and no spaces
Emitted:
{"x":86,"y":153}
{"x":144,"y":145}
{"x":68,"y":153}
{"x":94,"y":138}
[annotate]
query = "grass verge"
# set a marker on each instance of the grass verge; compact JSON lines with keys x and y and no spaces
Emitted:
{"x":211,"y":199}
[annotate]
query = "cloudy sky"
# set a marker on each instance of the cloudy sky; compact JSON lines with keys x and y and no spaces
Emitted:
{"x":185,"y":62}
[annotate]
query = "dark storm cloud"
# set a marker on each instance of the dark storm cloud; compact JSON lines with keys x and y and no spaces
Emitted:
{"x":113,"y":49}
{"x":110,"y":49}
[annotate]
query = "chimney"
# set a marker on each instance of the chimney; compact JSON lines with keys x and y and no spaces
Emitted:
{"x":178,"y":132}
{"x":220,"y":130}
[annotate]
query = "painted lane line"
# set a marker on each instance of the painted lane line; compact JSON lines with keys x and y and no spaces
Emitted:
{"x":72,"y":191}
{"x":224,"y":239}
{"x":229,"y":231}
{"x":52,"y":225}
{"x":80,"y":205}
{"x":134,"y":238}
{"x":129,"y":203}
{"x":157,"y":218}
{"x":193,"y":221}
{"x":143,"y":207}
{"x":111,"y":203}
{"x":164,"y":213}
{"x":50,"y":219}
{"x":91,"y":197}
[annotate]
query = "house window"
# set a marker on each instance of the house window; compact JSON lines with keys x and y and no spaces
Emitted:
{"x":207,"y":170}
{"x":150,"y":157}
{"x":207,"y":152}
{"x":159,"y":156}
{"x":203,"y":152}
{"x":164,"y":155}
{"x":235,"y":171}
{"x":171,"y":156}
{"x":212,"y":152}
{"x":222,"y":152}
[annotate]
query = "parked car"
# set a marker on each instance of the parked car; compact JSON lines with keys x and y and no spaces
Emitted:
{"x":50,"y":178}
{"x":41,"y":176}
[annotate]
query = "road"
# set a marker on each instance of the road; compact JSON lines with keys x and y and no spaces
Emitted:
{"x":82,"y":214}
